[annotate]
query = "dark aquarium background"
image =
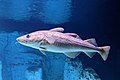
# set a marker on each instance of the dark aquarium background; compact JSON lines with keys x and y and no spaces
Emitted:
{"x":97,"y":19}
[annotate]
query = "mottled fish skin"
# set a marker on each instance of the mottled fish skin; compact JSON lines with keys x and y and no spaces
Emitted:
{"x":64,"y":40}
{"x":61,"y":40}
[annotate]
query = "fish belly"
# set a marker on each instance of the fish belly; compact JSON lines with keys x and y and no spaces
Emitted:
{"x":61,"y":49}
{"x":68,"y":49}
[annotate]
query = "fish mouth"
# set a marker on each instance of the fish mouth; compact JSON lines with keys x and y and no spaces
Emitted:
{"x":18,"y":39}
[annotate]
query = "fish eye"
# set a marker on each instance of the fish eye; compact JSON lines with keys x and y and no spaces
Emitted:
{"x":28,"y":36}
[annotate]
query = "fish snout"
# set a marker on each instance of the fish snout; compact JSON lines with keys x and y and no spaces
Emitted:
{"x":20,"y":40}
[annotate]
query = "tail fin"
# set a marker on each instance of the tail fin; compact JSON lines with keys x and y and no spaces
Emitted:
{"x":104,"y":52}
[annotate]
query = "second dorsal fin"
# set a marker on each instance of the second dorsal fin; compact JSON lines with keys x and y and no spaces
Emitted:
{"x":73,"y":35}
{"x":59,"y":29}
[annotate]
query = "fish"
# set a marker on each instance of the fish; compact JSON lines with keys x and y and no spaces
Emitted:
{"x":70,"y":44}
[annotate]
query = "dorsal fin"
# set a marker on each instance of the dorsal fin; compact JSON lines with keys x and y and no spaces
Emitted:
{"x":73,"y":35}
{"x":91,"y":41}
{"x":59,"y":29}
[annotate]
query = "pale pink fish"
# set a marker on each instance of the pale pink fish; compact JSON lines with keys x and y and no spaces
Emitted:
{"x":54,"y":40}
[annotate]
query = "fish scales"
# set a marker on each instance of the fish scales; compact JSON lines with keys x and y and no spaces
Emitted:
{"x":63,"y":39}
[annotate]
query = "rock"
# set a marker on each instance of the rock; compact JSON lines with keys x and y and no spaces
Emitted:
{"x":74,"y":71}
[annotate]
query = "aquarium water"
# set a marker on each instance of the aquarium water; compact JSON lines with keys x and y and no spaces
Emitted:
{"x":19,"y":62}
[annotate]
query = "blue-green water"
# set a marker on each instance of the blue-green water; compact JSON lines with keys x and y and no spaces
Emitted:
{"x":23,"y":63}
{"x":89,"y":19}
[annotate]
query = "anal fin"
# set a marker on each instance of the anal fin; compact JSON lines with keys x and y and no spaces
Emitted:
{"x":90,"y":54}
{"x":72,"y":54}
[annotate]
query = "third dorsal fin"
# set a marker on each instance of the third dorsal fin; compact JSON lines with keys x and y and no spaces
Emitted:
{"x":91,"y":41}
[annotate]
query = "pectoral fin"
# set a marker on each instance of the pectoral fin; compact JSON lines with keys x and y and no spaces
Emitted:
{"x":50,"y":40}
{"x":72,"y":54}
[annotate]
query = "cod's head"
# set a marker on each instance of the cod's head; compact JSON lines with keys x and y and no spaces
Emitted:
{"x":32,"y":40}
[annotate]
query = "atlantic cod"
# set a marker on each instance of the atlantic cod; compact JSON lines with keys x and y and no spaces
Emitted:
{"x":54,"y":40}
